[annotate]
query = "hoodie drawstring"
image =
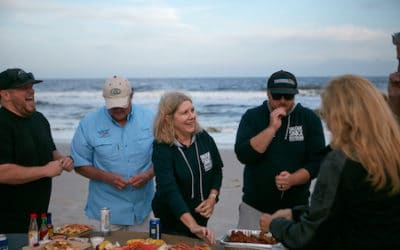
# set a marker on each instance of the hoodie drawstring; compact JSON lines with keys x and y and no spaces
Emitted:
{"x":191,"y":172}
{"x":287,"y":128}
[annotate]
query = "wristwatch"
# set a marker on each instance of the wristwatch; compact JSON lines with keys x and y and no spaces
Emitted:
{"x":213,"y":195}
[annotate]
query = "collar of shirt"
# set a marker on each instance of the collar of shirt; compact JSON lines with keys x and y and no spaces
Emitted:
{"x":130,"y":115}
{"x":178,"y":144}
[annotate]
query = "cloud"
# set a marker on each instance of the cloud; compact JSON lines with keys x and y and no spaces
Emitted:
{"x":32,"y":12}
{"x":152,"y":36}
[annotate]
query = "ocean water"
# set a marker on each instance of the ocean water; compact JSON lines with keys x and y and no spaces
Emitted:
{"x":219,"y":102}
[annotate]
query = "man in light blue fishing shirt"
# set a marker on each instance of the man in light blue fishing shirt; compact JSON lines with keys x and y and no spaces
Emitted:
{"x":112,"y":147}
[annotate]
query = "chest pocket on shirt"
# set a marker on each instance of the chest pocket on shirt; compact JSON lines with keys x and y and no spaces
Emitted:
{"x":207,"y":161}
{"x":106,"y":147}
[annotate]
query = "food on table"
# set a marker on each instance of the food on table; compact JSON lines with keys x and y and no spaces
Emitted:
{"x":72,"y":229}
{"x":240,"y":237}
{"x":184,"y":246}
{"x":60,"y":245}
{"x":147,"y":244}
{"x":107,"y":245}
{"x":96,"y":240}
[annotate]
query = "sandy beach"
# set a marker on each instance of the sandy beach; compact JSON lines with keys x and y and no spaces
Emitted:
{"x":69,"y":193}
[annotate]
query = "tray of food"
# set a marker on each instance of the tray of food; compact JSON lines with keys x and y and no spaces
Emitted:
{"x":60,"y":244}
{"x":73,"y":230}
{"x":249,"y":239}
{"x":149,"y":244}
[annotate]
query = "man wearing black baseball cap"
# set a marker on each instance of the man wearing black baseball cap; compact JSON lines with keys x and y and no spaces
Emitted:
{"x":15,"y":83}
{"x":280,"y":143}
{"x":28,"y":155}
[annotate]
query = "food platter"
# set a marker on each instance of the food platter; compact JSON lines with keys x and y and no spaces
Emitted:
{"x":60,"y":244}
{"x":73,"y":230}
{"x":239,"y":245}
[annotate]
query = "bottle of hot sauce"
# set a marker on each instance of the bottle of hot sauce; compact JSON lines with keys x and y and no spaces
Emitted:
{"x":43,"y":231}
{"x":50,"y":226}
{"x":33,"y":233}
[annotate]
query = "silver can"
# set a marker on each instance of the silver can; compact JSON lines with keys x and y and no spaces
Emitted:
{"x":105,"y":228}
{"x":3,"y":242}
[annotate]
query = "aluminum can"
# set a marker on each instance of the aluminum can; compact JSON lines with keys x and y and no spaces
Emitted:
{"x":155,"y":228}
{"x":105,"y":228}
{"x":3,"y":242}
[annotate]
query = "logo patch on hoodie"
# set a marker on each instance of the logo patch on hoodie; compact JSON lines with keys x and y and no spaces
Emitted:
{"x":206,"y":160}
{"x":296,"y":133}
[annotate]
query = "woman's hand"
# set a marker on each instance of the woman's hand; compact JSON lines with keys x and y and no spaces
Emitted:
{"x":283,"y":213}
{"x":203,"y":233}
{"x":206,"y":207}
{"x":265,"y":222}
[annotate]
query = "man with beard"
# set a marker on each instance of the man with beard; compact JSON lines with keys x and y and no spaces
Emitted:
{"x":281,"y":144}
{"x":28,"y":155}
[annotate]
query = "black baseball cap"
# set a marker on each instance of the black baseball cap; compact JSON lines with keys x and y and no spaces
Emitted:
{"x":16,"y":78}
{"x":282,"y":82}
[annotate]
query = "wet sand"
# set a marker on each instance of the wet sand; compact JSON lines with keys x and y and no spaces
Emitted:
{"x":69,"y":193}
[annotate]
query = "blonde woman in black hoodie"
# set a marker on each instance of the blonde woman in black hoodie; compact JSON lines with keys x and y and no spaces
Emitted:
{"x":188,"y":169}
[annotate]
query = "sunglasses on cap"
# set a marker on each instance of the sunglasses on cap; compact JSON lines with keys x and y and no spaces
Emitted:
{"x":285,"y":96}
{"x":22,"y":76}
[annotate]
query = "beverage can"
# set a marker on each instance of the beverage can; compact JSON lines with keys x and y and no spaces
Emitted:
{"x":105,"y":221}
{"x":155,"y":228}
{"x":3,"y":242}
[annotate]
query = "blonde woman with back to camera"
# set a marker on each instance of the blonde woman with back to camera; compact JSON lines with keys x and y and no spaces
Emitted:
{"x":356,"y":202}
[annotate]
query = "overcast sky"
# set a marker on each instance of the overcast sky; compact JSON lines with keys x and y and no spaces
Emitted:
{"x":144,"y":38}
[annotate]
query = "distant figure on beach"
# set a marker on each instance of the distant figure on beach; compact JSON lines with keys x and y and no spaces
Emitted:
{"x":112,"y":147}
{"x":281,"y":143}
{"x":394,"y":80}
{"x":188,"y":169}
{"x":356,"y":200}
{"x":28,"y":156}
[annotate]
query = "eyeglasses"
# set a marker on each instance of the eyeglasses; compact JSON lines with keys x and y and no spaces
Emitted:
{"x":287,"y":97}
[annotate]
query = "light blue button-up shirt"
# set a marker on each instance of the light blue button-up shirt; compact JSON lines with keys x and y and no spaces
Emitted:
{"x":101,"y":142}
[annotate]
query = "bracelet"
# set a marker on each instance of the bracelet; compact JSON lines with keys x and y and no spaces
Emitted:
{"x":212,"y":195}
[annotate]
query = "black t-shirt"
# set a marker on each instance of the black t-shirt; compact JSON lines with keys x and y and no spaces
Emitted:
{"x":26,"y":142}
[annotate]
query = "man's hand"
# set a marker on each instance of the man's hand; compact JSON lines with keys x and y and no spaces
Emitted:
{"x":54,"y":168}
{"x":67,"y":163}
{"x":139,"y":180}
{"x":275,"y":118}
{"x":283,"y":181}
{"x":117,"y":181}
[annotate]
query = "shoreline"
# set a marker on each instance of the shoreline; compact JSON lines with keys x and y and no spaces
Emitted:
{"x":69,"y":192}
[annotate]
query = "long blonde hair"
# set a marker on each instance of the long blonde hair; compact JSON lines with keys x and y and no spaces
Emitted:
{"x":364,"y":128}
{"x":162,"y":127}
